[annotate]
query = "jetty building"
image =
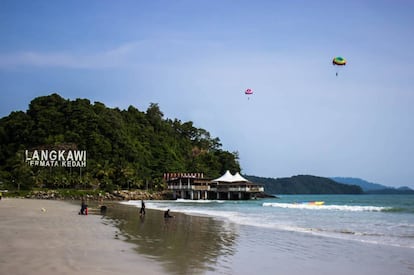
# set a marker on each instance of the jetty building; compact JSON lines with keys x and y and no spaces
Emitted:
{"x":194,"y":186}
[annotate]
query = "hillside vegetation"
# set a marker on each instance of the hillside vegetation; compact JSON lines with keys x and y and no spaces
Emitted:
{"x":304,"y":184}
{"x":373,"y":188}
{"x":125,"y":148}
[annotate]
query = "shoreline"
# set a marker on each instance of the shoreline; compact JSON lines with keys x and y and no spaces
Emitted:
{"x":49,"y":237}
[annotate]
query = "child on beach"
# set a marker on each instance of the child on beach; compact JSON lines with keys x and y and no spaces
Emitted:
{"x":84,"y":208}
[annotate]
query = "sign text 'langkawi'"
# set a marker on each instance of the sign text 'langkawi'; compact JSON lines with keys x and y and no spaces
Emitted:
{"x":56,"y":158}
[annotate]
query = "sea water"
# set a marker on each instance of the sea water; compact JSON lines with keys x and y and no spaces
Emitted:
{"x":347,"y":234}
{"x":378,"y":219}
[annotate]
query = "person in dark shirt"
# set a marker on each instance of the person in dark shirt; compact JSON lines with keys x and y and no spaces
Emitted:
{"x":84,"y":208}
{"x":142,"y":211}
{"x":167,"y":214}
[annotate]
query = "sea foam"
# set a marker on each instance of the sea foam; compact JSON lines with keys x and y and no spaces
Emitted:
{"x":327,"y":207}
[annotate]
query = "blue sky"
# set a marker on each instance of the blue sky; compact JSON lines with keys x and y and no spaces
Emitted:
{"x":196,"y":58}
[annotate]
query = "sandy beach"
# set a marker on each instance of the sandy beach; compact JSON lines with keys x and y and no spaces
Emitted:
{"x":49,"y":237}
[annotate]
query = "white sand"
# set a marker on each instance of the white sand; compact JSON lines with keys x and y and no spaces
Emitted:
{"x":59,"y":241}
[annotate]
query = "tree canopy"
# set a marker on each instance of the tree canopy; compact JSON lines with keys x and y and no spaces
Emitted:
{"x":126,"y":148}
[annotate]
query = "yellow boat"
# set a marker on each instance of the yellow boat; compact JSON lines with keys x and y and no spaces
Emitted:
{"x":313,"y":202}
{"x":317,"y":202}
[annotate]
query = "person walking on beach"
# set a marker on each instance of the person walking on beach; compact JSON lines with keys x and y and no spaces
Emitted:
{"x":142,"y":211}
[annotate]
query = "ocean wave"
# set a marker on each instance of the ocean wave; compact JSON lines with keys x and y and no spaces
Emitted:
{"x":199,"y":201}
{"x":398,"y":209}
{"x":328,"y":207}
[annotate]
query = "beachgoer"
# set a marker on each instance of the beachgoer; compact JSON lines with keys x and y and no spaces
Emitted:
{"x":167,"y":214}
{"x":142,"y":211}
{"x":84,"y":208}
{"x":103,"y":209}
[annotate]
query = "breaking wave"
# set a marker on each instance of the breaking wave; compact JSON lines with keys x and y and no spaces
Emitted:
{"x":355,"y":208}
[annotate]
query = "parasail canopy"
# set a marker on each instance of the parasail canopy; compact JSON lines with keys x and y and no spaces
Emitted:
{"x":339,"y":61}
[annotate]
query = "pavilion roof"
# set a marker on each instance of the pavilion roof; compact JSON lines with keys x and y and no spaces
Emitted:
{"x":228,"y":177}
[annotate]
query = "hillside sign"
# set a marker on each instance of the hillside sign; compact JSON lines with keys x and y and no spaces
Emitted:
{"x":56,"y":158}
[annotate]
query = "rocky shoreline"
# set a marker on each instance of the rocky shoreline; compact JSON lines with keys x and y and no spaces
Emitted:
{"x":120,"y":195}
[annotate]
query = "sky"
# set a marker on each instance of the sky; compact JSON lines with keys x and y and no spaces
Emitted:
{"x":195,"y":59}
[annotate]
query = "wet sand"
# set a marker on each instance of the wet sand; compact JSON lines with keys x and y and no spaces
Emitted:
{"x":184,"y":244}
{"x":49,"y":237}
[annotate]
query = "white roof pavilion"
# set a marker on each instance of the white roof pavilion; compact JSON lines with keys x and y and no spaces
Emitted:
{"x":228,"y":177}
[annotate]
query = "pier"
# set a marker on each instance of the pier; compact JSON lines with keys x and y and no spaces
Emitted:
{"x":194,"y":186}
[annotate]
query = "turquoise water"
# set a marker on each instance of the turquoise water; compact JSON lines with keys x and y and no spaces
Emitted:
{"x":376,"y":219}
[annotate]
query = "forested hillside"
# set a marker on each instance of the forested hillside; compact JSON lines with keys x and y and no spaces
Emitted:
{"x":304,"y":184}
{"x":365,"y":185}
{"x":125,"y":148}
{"x":373,"y":188}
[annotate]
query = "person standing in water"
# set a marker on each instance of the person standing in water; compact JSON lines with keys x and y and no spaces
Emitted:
{"x":142,"y":211}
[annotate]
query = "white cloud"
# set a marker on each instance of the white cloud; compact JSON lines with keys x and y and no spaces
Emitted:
{"x":160,"y":51}
{"x":116,"y":57}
